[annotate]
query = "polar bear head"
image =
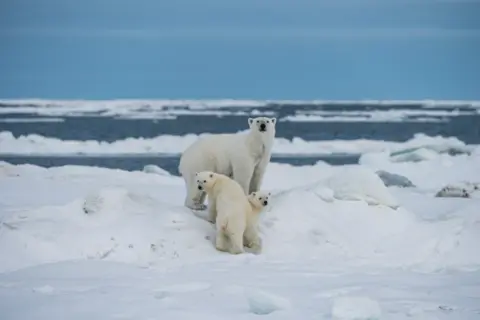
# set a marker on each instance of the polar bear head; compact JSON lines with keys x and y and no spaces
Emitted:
{"x":263,"y":125}
{"x":205,"y":180}
{"x":259,"y":199}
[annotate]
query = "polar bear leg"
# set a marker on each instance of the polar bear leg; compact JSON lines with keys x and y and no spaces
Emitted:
{"x":221,"y":241}
{"x":242,"y":173}
{"x":258,"y":174}
{"x":212,"y":209}
{"x":194,"y":198}
{"x":236,"y":243}
{"x":252,"y":239}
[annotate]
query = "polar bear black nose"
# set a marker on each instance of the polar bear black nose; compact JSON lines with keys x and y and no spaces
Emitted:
{"x":265,"y":203}
{"x":199,"y":187}
{"x":262,"y":126}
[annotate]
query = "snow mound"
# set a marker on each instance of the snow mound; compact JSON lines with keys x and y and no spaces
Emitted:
{"x":361,"y":183}
{"x":262,"y":303}
{"x":356,"y":308}
{"x":301,"y":222}
{"x":112,"y":223}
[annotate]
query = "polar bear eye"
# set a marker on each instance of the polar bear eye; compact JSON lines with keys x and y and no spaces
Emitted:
{"x":204,"y":181}
{"x":258,"y":121}
{"x":268,"y":121}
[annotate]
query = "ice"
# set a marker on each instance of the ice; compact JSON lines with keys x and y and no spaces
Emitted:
{"x":155,"y":169}
{"x":380,"y":110}
{"x":391,"y":115}
{"x":419,"y":147}
{"x":392,"y":179}
{"x":462,"y":190}
{"x":349,"y":118}
{"x":415,"y":155}
{"x":84,"y":242}
{"x":44,"y":289}
{"x":123,"y":107}
{"x":356,"y":308}
{"x":128,"y":109}
{"x":261,"y":302}
{"x":425,"y":174}
{"x":31,"y":120}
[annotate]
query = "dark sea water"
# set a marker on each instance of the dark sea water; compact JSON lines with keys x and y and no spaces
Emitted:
{"x":107,"y":128}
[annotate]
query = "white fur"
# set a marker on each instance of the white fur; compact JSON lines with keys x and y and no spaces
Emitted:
{"x":244,"y":157}
{"x":258,"y":201}
{"x":236,"y":217}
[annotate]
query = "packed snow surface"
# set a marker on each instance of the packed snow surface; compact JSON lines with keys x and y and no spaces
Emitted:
{"x":420,"y":145}
{"x":85,"y":242}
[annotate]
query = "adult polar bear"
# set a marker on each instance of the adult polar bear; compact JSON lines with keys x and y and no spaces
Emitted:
{"x":244,"y":157}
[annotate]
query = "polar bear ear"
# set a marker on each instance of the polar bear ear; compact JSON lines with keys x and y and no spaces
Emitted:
{"x":273,"y":120}
{"x":250,"y":121}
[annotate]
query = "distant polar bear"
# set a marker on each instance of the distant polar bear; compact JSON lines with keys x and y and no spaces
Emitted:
{"x":244,"y":157}
{"x":236,"y":215}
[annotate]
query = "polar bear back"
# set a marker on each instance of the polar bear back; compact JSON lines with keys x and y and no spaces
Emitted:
{"x":230,"y":200}
{"x":214,"y":153}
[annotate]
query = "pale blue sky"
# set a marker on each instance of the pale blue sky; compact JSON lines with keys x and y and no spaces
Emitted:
{"x":253,"y":49}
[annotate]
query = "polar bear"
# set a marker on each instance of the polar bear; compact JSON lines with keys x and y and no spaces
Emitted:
{"x":244,"y":157}
{"x":258,"y":201}
{"x":236,"y":214}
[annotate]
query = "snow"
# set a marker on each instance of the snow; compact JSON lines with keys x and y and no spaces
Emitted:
{"x":87,"y":242}
{"x":420,"y":145}
{"x":356,"y":308}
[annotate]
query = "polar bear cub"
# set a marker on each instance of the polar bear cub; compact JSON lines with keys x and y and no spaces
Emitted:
{"x":236,"y":217}
{"x":244,"y":157}
{"x":258,"y":201}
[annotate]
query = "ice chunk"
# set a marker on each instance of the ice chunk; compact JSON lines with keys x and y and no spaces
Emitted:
{"x":151,"y":168}
{"x":261,"y":302}
{"x":393,"y":179}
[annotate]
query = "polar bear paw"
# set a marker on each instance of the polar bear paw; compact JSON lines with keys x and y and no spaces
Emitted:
{"x":198,"y":207}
